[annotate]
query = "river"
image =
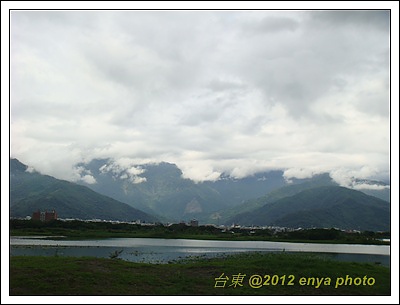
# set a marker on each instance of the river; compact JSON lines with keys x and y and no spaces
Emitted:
{"x":157,"y":250}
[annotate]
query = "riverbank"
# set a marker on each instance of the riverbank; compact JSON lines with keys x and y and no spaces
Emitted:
{"x":100,"y":230}
{"x":240,"y":274}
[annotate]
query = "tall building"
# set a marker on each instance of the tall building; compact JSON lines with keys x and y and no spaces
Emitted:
{"x":194,"y":223}
{"x":44,"y":216}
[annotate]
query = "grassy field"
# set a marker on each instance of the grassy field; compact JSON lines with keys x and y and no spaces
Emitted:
{"x":279,"y":274}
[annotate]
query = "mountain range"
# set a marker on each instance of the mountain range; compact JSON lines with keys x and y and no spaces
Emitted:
{"x":30,"y":191}
{"x":322,"y":207}
{"x":159,"y":191}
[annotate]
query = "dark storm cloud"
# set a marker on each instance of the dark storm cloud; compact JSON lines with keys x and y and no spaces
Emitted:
{"x":369,"y":19}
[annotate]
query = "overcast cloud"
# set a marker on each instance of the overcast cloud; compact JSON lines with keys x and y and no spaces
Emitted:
{"x":211,"y":91}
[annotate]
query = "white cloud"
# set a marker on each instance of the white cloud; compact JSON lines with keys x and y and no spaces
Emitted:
{"x":137,"y":180}
{"x":350,"y":177}
{"x":30,"y":169}
{"x":123,"y":169}
{"x":88,"y":179}
{"x":215,"y":92}
{"x":135,"y":171}
{"x":366,"y":186}
{"x":299,"y":173}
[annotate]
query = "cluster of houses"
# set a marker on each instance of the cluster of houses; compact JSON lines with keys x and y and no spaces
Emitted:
{"x":52,"y":215}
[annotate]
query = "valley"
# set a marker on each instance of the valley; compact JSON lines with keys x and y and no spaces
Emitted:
{"x":159,"y":193}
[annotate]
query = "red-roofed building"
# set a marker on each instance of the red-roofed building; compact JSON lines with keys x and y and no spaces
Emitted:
{"x":44,"y":216}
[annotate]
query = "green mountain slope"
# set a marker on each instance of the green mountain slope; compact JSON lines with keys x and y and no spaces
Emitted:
{"x":165,"y":193}
{"x":30,"y":191}
{"x":326,"y":206}
{"x":228,"y":216}
{"x":160,"y":189}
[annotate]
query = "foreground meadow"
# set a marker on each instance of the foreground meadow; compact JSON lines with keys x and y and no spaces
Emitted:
{"x":241,"y":274}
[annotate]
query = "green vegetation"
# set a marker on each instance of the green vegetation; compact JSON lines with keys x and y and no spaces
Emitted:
{"x":94,"y":276}
{"x":324,"y":207}
{"x":32,"y":191}
{"x":171,"y":197}
{"x":167,"y":196}
{"x":274,"y":195}
{"x":85,"y":230}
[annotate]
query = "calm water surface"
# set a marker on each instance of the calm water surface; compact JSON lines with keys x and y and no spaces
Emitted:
{"x":155,"y":250}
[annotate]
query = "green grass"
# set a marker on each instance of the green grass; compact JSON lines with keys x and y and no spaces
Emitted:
{"x":94,"y":276}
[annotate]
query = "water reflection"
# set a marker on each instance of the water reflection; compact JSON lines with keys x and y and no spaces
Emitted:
{"x":164,"y":250}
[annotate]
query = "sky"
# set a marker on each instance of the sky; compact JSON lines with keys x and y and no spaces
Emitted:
{"x":215,"y":91}
{"x":234,"y":92}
